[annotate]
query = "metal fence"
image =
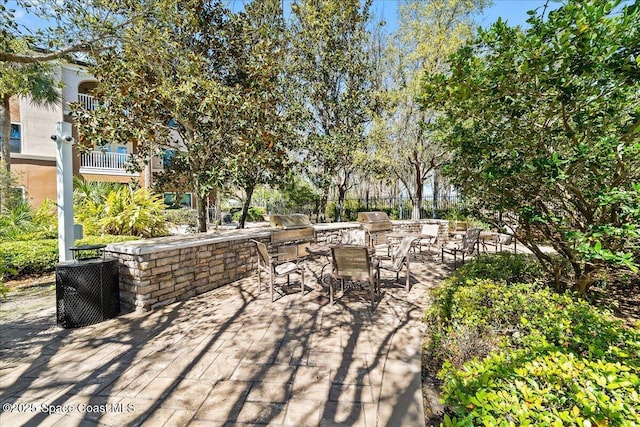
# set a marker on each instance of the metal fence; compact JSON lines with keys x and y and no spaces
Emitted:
{"x":396,"y":208}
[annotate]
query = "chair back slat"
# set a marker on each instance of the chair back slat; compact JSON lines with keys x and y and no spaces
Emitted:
{"x":351,"y":262}
{"x":263,"y":253}
{"x":402,"y":252}
{"x":431,"y":230}
{"x":470,"y":239}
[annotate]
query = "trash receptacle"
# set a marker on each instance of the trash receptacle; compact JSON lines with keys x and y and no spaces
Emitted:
{"x":87,"y":289}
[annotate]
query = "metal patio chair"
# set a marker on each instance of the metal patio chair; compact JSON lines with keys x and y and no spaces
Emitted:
{"x":354,"y":263}
{"x":274,"y":268}
{"x":399,"y":260}
{"x":467,"y":246}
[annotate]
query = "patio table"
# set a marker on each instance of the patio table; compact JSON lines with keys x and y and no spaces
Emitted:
{"x":396,"y":237}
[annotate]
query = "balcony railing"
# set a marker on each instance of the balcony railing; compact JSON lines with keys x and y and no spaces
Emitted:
{"x":88,"y":102}
{"x":105,"y":163}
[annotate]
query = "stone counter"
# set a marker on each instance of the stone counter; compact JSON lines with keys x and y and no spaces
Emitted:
{"x":156,"y":272}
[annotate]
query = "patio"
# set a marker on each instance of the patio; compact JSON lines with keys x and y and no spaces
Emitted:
{"x":228,"y":356}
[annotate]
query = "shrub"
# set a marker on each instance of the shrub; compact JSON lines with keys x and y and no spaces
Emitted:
{"x":254,"y":214}
{"x":124,"y":211}
{"x":29,"y":257}
{"x":522,"y":353}
{"x":504,"y":266}
{"x":181,"y":216}
{"x":22,"y":258}
{"x":23,"y":222}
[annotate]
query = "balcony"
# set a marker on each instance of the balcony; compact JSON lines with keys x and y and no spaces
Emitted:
{"x":105,"y":163}
{"x":87,"y":102}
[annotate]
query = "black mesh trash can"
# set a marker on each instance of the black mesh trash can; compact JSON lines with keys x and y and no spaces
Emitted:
{"x":87,"y":291}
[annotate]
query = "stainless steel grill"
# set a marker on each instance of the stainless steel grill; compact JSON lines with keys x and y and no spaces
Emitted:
{"x":374,"y":222}
{"x":292,"y":234}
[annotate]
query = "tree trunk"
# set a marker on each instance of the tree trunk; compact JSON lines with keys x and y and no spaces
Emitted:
{"x":583,"y":282}
{"x":201,"y":208}
{"x":417,"y":197}
{"x":342,"y":192}
{"x":434,"y":205}
{"x":5,"y":161}
{"x":245,"y":206}
{"x":5,"y":118}
{"x":322,"y":207}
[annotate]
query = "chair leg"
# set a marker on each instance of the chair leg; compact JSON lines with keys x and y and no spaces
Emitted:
{"x":407,"y":285}
{"x":271,"y":286}
{"x":371,"y":291}
{"x":332,"y":283}
{"x":302,"y":282}
{"x":259,"y":279}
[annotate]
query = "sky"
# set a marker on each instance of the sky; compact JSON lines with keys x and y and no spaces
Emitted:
{"x":513,"y":11}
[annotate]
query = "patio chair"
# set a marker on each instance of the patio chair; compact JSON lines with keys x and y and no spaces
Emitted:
{"x":500,"y":240}
{"x":274,"y":268}
{"x":353,"y":237}
{"x":430,"y":230}
{"x":399,"y":260}
{"x":466,"y":247}
{"x":354,"y":263}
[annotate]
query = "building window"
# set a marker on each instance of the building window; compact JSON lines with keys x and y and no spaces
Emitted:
{"x":19,"y":193}
{"x":170,"y":200}
{"x":168,"y":158}
{"x":15,"y":138}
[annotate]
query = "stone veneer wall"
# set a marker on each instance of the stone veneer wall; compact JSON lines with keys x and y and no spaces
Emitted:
{"x":157,"y":272}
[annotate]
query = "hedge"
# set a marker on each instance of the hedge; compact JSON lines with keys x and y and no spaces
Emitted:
{"x":520,"y":354}
{"x":33,"y":257}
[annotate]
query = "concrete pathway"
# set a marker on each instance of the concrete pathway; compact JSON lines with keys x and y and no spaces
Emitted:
{"x":228,"y":357}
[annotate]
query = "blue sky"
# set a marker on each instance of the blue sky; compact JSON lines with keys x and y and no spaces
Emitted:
{"x":513,"y":11}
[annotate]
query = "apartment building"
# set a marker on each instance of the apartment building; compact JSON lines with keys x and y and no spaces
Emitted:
{"x":33,"y":153}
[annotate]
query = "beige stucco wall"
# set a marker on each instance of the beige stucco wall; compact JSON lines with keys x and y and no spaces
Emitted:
{"x":38,"y":177}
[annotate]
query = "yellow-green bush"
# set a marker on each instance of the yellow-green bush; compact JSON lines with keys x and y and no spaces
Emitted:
{"x":124,"y":211}
{"x":520,"y":353}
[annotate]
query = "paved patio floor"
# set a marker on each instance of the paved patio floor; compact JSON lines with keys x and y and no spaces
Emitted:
{"x":227,"y":357}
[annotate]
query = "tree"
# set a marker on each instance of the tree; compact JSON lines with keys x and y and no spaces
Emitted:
{"x":259,"y":154}
{"x":72,"y":26}
{"x":35,"y":81}
{"x":26,"y":54}
{"x":331,"y":67}
{"x":428,"y":32}
{"x":544,"y":125}
{"x":182,"y":92}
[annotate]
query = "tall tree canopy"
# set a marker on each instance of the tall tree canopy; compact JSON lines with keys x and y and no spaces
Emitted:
{"x":260,"y":153}
{"x":544,"y":125}
{"x":428,"y":32}
{"x":332,"y":69}
{"x":179,"y":92}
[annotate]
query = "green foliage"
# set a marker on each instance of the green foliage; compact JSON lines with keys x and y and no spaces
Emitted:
{"x":119,"y":210}
{"x":563,"y":159}
{"x":524,"y":353}
{"x":133,"y":213}
{"x":428,"y":32}
{"x":29,"y":257}
{"x":181,"y":216}
{"x":331,"y":76}
{"x":504,"y":267}
{"x":22,"y":222}
{"x":22,"y":258}
{"x":298,"y":192}
{"x":254,"y":214}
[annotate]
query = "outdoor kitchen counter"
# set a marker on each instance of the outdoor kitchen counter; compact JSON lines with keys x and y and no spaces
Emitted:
{"x":159,"y":271}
